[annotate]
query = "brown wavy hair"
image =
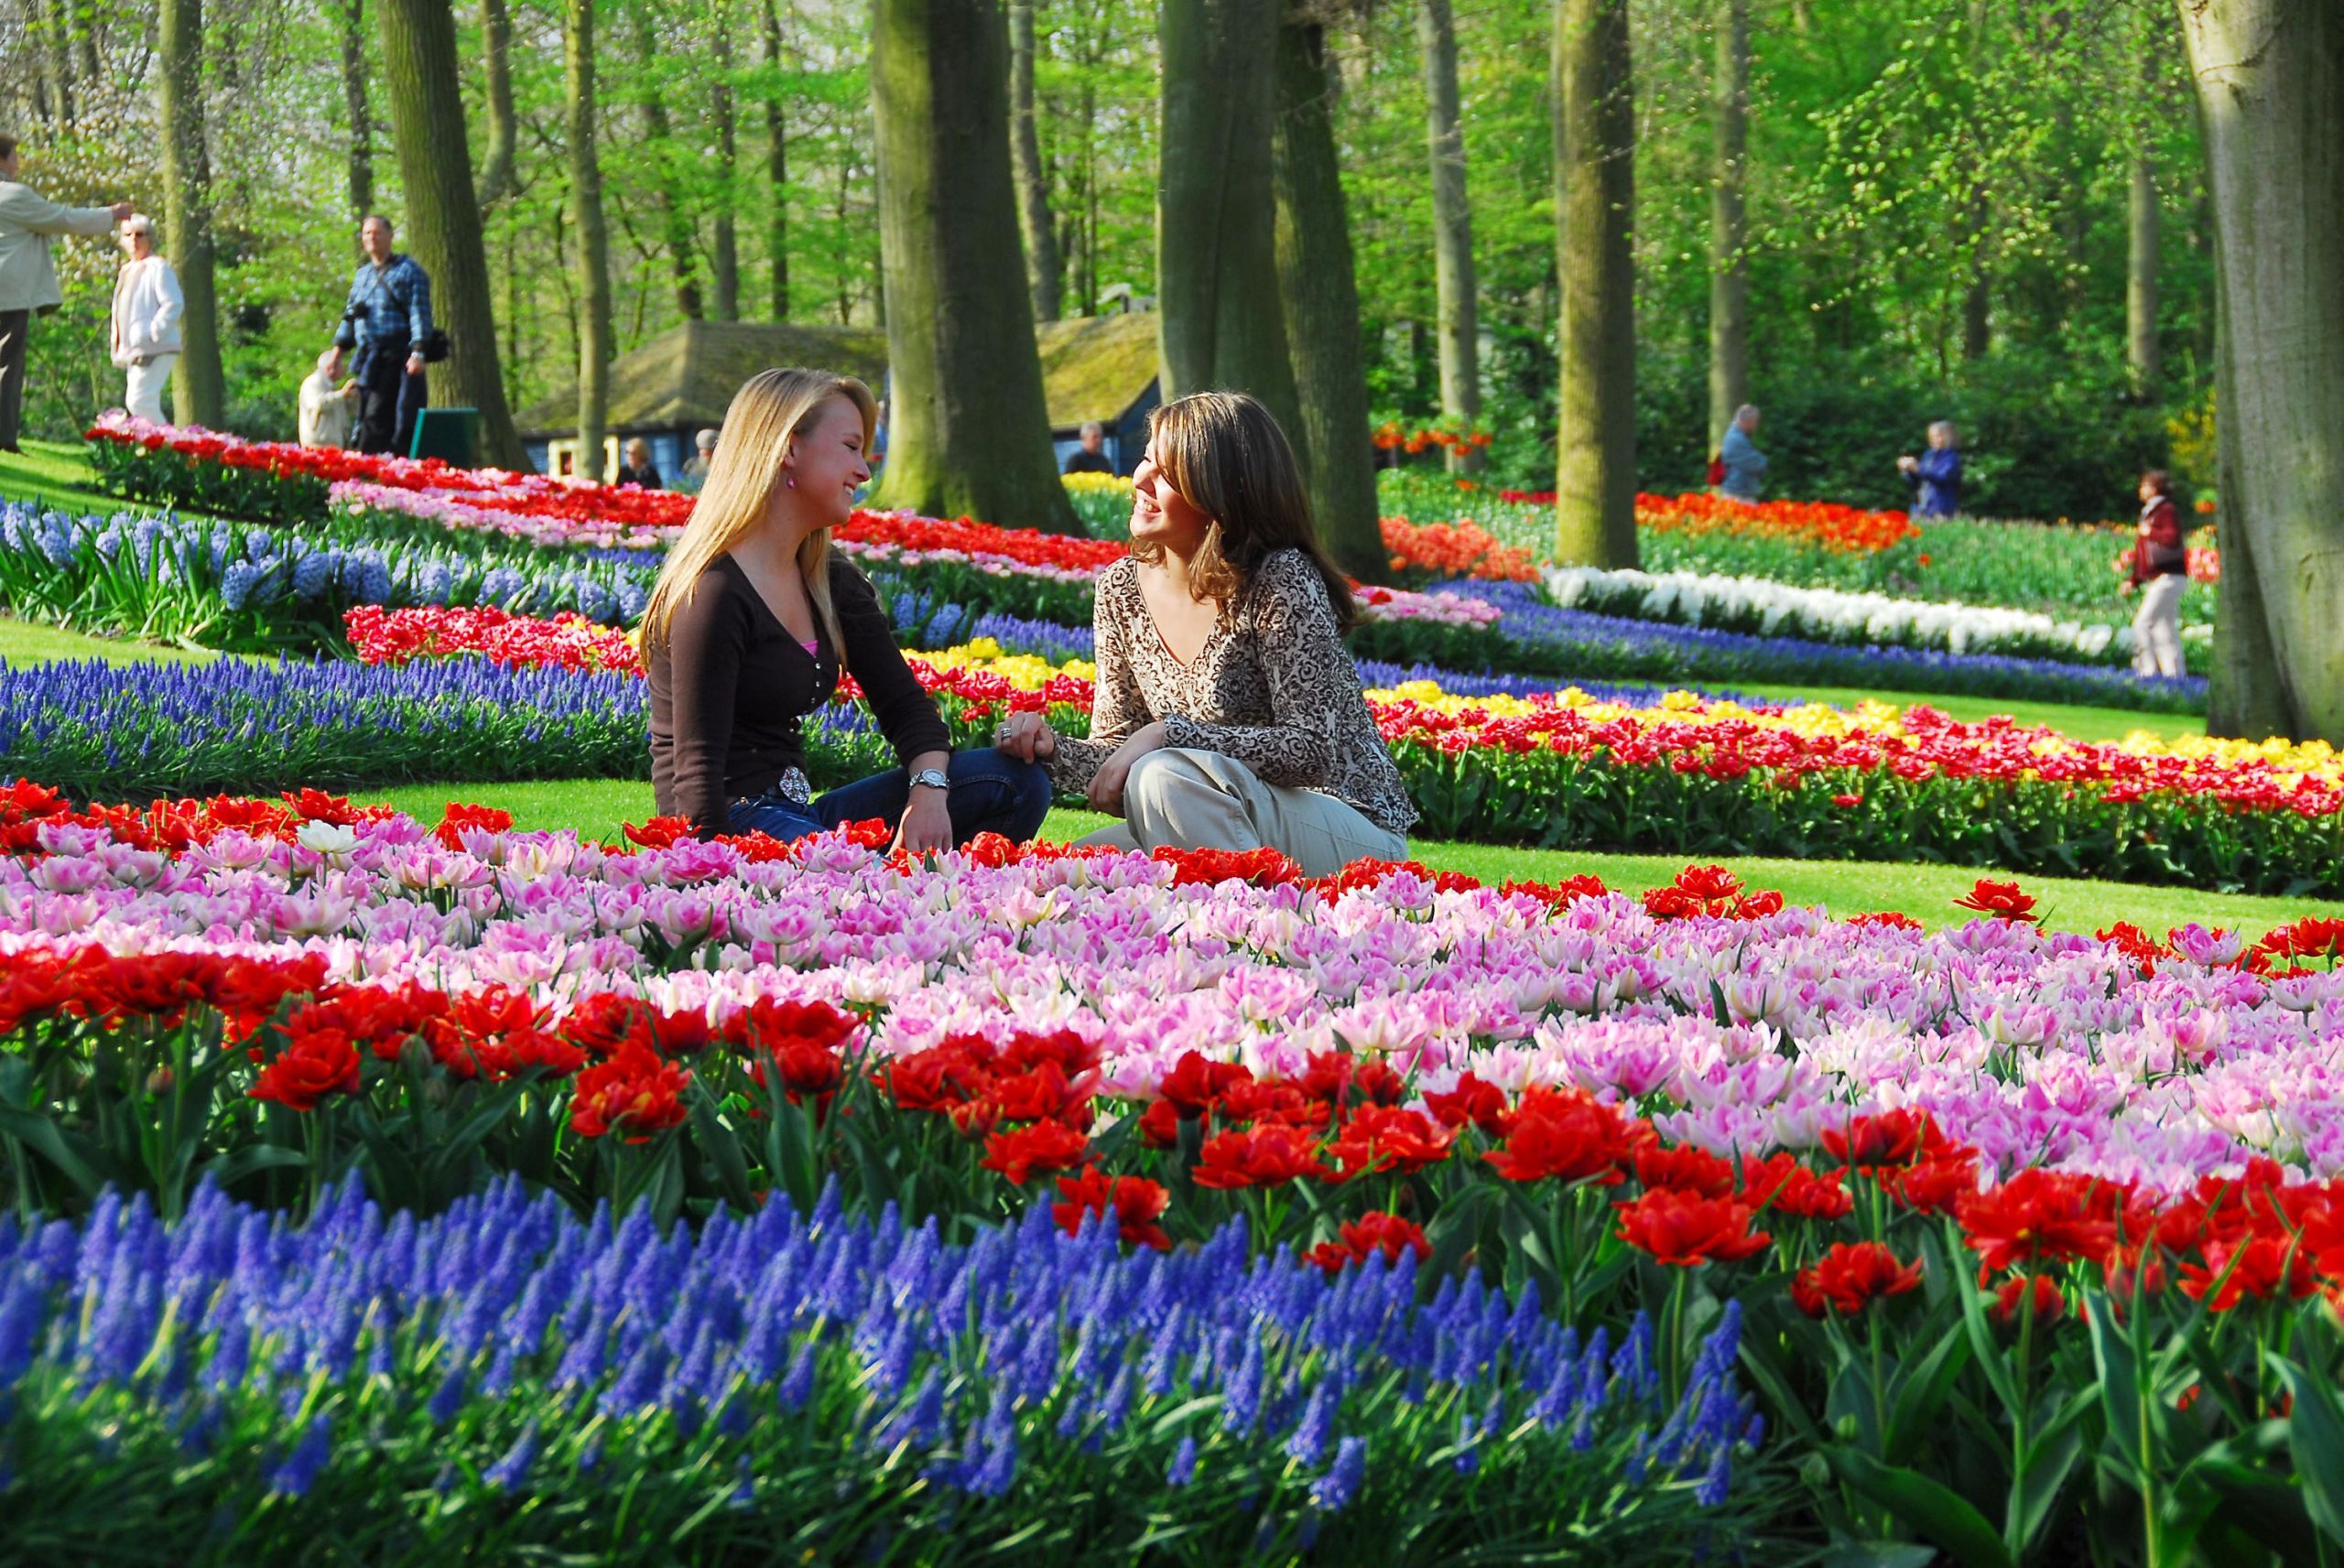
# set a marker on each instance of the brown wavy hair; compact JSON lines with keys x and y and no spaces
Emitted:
{"x":1228,"y":459}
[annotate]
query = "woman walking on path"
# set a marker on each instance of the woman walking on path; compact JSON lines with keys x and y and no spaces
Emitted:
{"x":147,"y":308}
{"x":2160,"y":574}
{"x":752,"y":621}
{"x":1228,"y":714}
{"x":1936,"y":474}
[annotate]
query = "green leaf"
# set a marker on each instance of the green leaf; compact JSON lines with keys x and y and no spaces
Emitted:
{"x":1925,"y":1390}
{"x":1933,"y":1510}
{"x":2315,"y":1435}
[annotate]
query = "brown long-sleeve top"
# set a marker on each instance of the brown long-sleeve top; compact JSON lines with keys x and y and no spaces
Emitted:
{"x":1273,"y":688}
{"x":732,"y":689}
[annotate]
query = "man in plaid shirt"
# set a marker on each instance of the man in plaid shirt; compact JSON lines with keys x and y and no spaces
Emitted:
{"x":386,"y":320}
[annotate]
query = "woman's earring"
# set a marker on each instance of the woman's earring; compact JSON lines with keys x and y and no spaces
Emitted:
{"x":791,"y":480}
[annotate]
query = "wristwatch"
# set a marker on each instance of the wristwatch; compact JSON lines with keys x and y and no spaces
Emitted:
{"x":932,"y":777}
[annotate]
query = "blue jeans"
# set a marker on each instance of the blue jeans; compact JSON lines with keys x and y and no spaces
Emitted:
{"x":989,"y":793}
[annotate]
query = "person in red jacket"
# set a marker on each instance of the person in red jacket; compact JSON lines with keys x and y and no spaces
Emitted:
{"x":2160,"y":573}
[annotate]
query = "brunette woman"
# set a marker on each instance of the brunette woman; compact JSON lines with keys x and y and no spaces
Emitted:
{"x":753,"y":620}
{"x":1227,"y":715}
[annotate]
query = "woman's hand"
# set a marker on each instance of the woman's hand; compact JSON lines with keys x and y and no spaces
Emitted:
{"x":927,"y":826}
{"x":1029,"y":738}
{"x":1107,"y":783}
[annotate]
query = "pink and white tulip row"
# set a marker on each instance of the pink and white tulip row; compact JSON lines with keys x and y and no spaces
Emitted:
{"x":1750,"y":1034}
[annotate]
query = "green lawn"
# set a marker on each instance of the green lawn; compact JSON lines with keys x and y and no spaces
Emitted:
{"x":598,"y":806}
{"x":2082,"y":724}
{"x":54,"y":473}
{"x":29,"y":642}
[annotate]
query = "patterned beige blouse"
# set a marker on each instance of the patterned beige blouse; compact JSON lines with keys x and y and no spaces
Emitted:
{"x":1272,"y":687}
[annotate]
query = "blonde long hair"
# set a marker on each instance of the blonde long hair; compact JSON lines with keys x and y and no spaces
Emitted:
{"x":758,"y":429}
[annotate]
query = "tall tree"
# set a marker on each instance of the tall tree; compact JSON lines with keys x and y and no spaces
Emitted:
{"x":2141,"y":356}
{"x":2269,"y":77}
{"x":1220,"y":316}
{"x":1595,"y":193}
{"x":1729,"y":232}
{"x":1978,"y":299}
{"x":725,"y":254}
{"x":675,"y":227}
{"x":777,"y":167}
{"x":357,"y":112}
{"x":497,"y":176}
{"x":968,"y":432}
{"x":1042,"y":266}
{"x":592,"y":233}
{"x":199,"y":387}
{"x":1457,"y":303}
{"x":423,"y":74}
{"x":1319,"y":289}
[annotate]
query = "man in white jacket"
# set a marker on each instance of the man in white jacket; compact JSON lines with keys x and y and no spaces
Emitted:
{"x":147,"y":307}
{"x":28,"y":278}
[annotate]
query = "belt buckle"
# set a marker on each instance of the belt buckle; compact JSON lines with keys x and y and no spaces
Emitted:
{"x":793,"y":786}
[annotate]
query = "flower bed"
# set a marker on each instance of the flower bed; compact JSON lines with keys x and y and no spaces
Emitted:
{"x":277,"y":481}
{"x":1995,"y":1222}
{"x":257,"y":590}
{"x":2063,"y":569}
{"x":552,"y":1385}
{"x":1757,"y":606}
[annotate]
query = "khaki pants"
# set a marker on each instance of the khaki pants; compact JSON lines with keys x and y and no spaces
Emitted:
{"x":2156,"y":630}
{"x":1183,"y":799}
{"x":143,"y":396}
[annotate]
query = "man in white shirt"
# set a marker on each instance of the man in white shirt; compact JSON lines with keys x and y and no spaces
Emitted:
{"x":147,"y":309}
{"x":28,"y":278}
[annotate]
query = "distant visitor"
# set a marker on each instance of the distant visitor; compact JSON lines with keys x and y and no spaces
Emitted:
{"x":638,"y":468}
{"x":1091,"y":456}
{"x":327,"y":404}
{"x":1745,"y":465}
{"x":387,"y":319}
{"x":2160,"y":576}
{"x":147,"y":309}
{"x":1936,"y":474}
{"x":27,"y":275}
{"x":694,"y":474}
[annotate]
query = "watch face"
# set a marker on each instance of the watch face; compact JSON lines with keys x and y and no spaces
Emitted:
{"x":933,"y":778}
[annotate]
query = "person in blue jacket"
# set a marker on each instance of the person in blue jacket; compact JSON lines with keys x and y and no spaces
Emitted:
{"x":1936,"y":474}
{"x":387,"y":320}
{"x":1745,"y":465}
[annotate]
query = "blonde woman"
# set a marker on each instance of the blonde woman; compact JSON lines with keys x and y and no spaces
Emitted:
{"x":1228,"y":714}
{"x":753,"y":620}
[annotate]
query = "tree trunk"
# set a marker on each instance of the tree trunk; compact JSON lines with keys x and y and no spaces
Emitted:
{"x":2269,"y":77}
{"x":1729,"y":266}
{"x":56,"y":25}
{"x":674,"y":226}
{"x":1459,"y":337}
{"x":776,"y":169}
{"x":1976,"y":300}
{"x":968,"y":429}
{"x":497,"y":179}
{"x":593,"y":234}
{"x":1220,"y":315}
{"x":1026,"y":159}
{"x":1319,"y":290}
{"x":1595,"y":192}
{"x":725,"y":255}
{"x":2141,"y":355}
{"x":199,"y":387}
{"x":355,"y":110}
{"x":423,"y":74}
